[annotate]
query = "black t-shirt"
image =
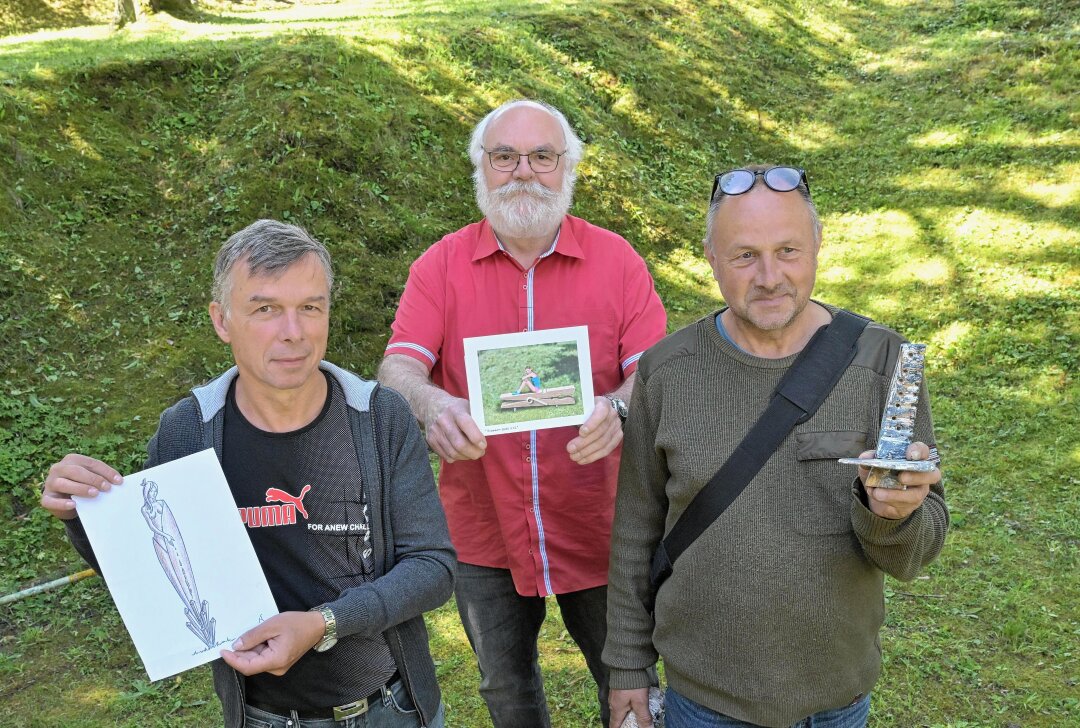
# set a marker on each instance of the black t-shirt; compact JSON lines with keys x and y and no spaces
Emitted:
{"x":302,"y":498}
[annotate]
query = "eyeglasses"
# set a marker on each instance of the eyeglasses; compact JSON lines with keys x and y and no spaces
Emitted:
{"x":504,"y":160}
{"x":740,"y":181}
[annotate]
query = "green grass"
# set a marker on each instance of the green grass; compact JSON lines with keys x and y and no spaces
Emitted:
{"x":940,"y":138}
{"x":26,"y":16}
{"x":501,"y":370}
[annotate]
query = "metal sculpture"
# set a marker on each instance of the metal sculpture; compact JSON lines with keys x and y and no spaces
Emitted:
{"x":897,"y":424}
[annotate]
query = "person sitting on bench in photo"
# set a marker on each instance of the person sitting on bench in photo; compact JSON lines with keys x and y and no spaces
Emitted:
{"x":531,"y":381}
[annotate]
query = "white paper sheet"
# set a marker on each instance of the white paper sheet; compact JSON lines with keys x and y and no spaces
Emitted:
{"x":178,"y":562}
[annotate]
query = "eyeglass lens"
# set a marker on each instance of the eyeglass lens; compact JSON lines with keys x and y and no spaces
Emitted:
{"x":542,"y":161}
{"x":780,"y":179}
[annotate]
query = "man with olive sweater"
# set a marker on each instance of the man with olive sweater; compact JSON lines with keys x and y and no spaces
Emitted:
{"x":771,"y":616}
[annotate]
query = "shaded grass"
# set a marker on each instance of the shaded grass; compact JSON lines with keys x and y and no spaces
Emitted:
{"x":940,"y":139}
{"x":26,"y":16}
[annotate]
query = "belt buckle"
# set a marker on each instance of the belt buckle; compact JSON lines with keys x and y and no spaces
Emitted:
{"x":349,"y":710}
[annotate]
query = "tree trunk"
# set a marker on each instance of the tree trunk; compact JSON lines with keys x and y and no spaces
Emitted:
{"x":128,"y":11}
{"x":125,"y":13}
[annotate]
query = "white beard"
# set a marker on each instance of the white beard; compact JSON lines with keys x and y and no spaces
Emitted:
{"x":524,"y":209}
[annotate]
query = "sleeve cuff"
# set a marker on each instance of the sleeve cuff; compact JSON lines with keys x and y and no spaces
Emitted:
{"x":629,"y":679}
{"x":629,"y":364}
{"x":414,"y":351}
{"x":353,"y":614}
{"x":874,"y":529}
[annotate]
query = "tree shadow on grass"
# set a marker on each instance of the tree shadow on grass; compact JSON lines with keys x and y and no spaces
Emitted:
{"x":27,"y":16}
{"x":364,"y":138}
{"x":125,"y":166}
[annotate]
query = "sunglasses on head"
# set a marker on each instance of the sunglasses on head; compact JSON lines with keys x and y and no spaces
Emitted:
{"x":740,"y":181}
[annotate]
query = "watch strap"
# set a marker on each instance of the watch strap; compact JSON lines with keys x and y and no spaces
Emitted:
{"x":329,"y":638}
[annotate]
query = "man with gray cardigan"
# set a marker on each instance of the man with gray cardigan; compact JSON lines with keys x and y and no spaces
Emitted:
{"x":771,"y":617}
{"x":363,"y":550}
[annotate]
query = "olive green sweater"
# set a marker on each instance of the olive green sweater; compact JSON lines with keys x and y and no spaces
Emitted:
{"x":773,"y":613}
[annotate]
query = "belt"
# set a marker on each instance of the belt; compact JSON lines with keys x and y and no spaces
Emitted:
{"x":337,"y":712}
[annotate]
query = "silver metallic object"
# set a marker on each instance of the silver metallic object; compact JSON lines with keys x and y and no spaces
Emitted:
{"x":897,"y":424}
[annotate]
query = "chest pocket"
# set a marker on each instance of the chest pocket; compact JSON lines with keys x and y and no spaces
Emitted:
{"x":822,"y":497}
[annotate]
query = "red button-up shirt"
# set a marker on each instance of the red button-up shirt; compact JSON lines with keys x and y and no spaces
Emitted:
{"x":525,"y":505}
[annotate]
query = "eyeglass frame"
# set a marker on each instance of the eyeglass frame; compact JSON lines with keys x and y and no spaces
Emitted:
{"x":759,"y":173}
{"x":517,"y":163}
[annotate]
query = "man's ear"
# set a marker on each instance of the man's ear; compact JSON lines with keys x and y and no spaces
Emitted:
{"x":219,"y":319}
{"x":710,"y":255}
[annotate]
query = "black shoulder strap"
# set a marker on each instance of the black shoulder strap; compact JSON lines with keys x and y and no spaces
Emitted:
{"x":800,"y":392}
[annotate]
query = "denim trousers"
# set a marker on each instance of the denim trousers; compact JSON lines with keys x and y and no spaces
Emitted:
{"x":395,"y":710}
{"x":681,"y":712}
{"x":503,"y":626}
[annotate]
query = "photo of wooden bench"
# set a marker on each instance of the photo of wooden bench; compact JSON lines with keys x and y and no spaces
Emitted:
{"x":544,"y":398}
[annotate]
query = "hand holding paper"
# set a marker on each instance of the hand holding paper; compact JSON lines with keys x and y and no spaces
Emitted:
{"x":75,"y":475}
{"x":453,"y":433}
{"x":600,"y":434}
{"x":275,"y":645}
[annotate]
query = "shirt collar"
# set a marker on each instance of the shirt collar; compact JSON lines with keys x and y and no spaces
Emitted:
{"x":566,"y":243}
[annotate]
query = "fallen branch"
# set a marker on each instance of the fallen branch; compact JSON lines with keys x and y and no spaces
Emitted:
{"x":62,"y":581}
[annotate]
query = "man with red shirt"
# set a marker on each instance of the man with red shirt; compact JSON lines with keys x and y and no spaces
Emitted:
{"x":530,"y":513}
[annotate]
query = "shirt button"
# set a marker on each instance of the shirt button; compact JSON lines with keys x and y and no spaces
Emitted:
{"x":524,"y":288}
{"x":528,"y":446}
{"x":528,"y":459}
{"x":525,"y":331}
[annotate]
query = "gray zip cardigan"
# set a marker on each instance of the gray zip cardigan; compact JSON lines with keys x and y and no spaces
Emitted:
{"x":414,"y":558}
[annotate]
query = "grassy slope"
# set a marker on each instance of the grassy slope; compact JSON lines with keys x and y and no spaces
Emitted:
{"x":27,"y":16}
{"x":941,"y":146}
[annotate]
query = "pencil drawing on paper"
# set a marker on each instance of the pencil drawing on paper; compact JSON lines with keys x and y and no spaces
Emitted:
{"x":174,"y":560}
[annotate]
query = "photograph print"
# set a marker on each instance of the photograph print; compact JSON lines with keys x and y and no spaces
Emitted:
{"x":529,"y":381}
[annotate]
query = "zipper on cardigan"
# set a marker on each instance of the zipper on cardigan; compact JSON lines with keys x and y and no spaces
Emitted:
{"x":403,"y":668}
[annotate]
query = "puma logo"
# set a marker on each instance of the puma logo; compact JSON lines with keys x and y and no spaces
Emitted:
{"x":280,"y":496}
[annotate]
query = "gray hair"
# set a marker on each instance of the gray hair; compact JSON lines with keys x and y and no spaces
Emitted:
{"x":574,"y":147}
{"x":268,"y":246}
{"x":718,"y":200}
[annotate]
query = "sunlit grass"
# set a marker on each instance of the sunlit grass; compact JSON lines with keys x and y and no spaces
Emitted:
{"x":988,"y":235}
{"x":889,"y":236}
{"x":1062,"y":189}
{"x":810,"y":137}
{"x":939,"y":137}
{"x":162,"y":34}
{"x":17,"y":43}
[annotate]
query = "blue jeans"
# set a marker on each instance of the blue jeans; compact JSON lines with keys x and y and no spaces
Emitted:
{"x":395,"y":710}
{"x":503,"y":626}
{"x":682,"y":712}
